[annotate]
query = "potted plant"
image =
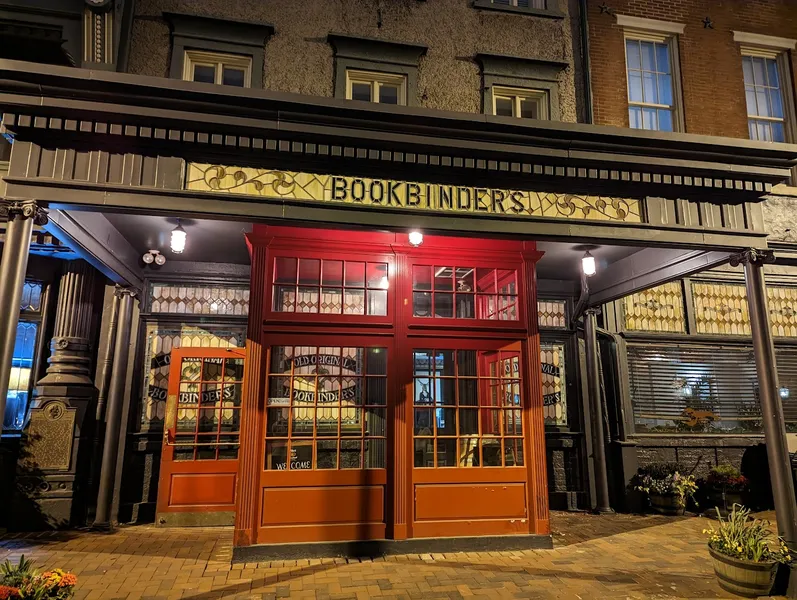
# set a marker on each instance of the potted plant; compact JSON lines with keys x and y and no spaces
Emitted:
{"x":725,"y":486}
{"x":23,"y":582}
{"x":667,"y":488}
{"x":745,"y":553}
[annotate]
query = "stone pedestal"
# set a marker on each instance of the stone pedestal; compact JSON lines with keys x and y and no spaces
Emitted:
{"x":55,"y":456}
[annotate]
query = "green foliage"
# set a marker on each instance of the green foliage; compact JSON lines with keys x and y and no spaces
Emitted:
{"x":23,"y":582}
{"x":743,"y":537}
{"x":665,"y":479}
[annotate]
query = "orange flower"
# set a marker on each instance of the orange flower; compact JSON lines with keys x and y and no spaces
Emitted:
{"x":68,"y":580}
{"x":7,"y":592}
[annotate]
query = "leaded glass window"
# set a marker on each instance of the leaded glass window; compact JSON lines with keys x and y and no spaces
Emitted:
{"x":161,"y":340}
{"x":554,"y":388}
{"x":199,"y":300}
{"x":659,"y":309}
{"x":330,"y":287}
{"x":552,"y":314}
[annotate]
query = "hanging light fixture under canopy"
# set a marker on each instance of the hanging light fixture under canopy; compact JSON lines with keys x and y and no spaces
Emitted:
{"x":588,"y":264}
{"x":179,"y":236}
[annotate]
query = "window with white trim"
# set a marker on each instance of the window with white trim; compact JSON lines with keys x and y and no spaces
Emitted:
{"x":514,"y":102}
{"x":218,"y":68}
{"x":652,"y":90}
{"x":763,"y":88}
{"x":381,"y":88}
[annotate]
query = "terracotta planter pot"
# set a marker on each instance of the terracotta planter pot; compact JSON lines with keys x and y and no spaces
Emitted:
{"x":666,"y":504}
{"x":743,"y":577}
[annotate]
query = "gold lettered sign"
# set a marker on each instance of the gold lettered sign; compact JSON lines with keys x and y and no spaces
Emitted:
{"x":408,"y":195}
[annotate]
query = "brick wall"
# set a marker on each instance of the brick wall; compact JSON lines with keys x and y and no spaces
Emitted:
{"x":711,"y":63}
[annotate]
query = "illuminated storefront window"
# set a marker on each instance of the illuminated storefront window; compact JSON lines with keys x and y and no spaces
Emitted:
{"x":467,"y":408}
{"x":326,"y":408}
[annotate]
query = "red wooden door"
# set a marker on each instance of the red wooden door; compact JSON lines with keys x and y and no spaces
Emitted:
{"x":468,"y":413}
{"x":326,"y":438}
{"x":199,"y":463}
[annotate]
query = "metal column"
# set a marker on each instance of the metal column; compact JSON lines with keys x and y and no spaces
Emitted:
{"x":113,"y":420}
{"x":768,"y":394}
{"x":596,"y":411}
{"x":21,"y":217}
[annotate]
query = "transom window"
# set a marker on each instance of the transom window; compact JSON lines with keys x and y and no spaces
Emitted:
{"x":209,"y":409}
{"x":218,"y":68}
{"x":526,"y":104}
{"x":467,"y":407}
{"x":326,"y":408}
{"x":464,"y":292}
{"x":382,"y":88}
{"x":651,"y":97}
{"x":762,"y":87}
{"x":312,"y":285}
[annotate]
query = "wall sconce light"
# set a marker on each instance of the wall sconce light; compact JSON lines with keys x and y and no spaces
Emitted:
{"x":416,"y":238}
{"x":153,"y":256}
{"x":588,"y":264}
{"x":177,"y":243}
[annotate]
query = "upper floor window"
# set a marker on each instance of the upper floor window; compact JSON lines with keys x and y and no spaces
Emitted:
{"x":767,"y":85}
{"x":527,"y":104}
{"x":762,"y":88}
{"x":381,"y":88}
{"x":218,"y":68}
{"x":651,"y":101}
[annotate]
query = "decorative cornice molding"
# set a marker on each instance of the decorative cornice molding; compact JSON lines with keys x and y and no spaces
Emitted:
{"x":519,"y":66}
{"x":669,"y":27}
{"x":767,"y":41}
{"x":219,"y":30}
{"x":375,"y":49}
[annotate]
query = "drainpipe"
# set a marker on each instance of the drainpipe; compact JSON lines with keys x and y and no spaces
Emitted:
{"x":589,"y":117}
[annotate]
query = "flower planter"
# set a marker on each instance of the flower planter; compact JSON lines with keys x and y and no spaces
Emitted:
{"x":723,"y":502}
{"x":669,"y":504}
{"x":743,"y":577}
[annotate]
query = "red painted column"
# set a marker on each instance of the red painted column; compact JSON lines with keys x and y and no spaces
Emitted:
{"x":250,"y":457}
{"x":535,"y":430}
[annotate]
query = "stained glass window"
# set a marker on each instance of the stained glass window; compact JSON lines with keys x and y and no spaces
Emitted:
{"x":552,"y":314}
{"x":331,"y":287}
{"x":161,"y":340}
{"x":554,"y":389}
{"x":199,"y":300}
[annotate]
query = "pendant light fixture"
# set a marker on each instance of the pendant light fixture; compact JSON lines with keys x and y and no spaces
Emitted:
{"x":177,"y":243}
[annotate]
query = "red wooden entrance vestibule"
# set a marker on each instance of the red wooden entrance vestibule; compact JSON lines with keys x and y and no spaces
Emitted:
{"x":391,"y":391}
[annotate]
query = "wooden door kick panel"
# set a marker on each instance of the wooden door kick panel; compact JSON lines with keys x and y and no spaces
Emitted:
{"x":435,"y":502}
{"x":193,"y":489}
{"x":322,"y":505}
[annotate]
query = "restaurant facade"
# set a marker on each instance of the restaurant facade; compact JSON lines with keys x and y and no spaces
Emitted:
{"x":388,"y":339}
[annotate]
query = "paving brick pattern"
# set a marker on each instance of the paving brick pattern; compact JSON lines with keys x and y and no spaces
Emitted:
{"x":618,"y":556}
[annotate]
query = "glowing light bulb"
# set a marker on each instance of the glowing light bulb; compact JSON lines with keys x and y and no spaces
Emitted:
{"x":178,"y":239}
{"x":588,"y":265}
{"x":416,"y":238}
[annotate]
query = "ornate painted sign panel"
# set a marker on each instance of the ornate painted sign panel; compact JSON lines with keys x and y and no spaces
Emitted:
{"x":408,"y":195}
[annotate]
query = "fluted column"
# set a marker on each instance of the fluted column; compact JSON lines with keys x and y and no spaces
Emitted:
{"x":20,"y":216}
{"x":70,"y":351}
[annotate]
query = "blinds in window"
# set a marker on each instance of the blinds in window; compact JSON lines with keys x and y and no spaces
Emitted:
{"x":691,"y":389}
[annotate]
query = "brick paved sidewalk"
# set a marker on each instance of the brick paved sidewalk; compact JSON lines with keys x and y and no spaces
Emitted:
{"x":617,"y":556}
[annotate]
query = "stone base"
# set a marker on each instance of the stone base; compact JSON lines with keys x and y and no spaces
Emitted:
{"x":375,"y":548}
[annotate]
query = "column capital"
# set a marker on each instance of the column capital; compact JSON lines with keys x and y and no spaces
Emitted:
{"x":593,"y":310}
{"x":754,"y":256}
{"x":27,"y":209}
{"x":120,"y":292}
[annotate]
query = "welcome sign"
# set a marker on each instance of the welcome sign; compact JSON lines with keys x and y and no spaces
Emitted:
{"x":407,"y":195}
